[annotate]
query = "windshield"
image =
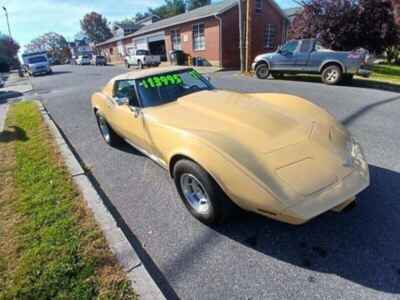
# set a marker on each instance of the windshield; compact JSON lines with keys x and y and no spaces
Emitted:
{"x":142,"y":52}
{"x":37,"y":59}
{"x":168,"y":87}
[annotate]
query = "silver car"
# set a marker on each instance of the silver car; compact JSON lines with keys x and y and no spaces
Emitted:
{"x":308,"y":56}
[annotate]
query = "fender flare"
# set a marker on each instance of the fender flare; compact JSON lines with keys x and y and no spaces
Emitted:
{"x":263,"y":61}
{"x":332,"y":61}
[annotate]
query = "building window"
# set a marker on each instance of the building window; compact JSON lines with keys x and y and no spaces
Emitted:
{"x":176,"y":40}
{"x":270,"y":36}
{"x":199,"y":41}
{"x":258,"y":6}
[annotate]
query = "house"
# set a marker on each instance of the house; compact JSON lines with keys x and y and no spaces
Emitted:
{"x":210,"y":32}
{"x":80,"y":47}
{"x":292,"y":12}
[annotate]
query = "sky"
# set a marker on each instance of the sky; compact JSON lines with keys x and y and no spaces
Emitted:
{"x":32,"y":18}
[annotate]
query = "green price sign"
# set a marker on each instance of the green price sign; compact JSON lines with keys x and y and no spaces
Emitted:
{"x":160,"y":81}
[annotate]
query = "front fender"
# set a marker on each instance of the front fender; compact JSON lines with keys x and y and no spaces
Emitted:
{"x":247,"y":191}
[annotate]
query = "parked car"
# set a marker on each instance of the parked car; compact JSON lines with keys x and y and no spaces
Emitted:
{"x":83,"y":60}
{"x":309,"y":56}
{"x":274,"y":154}
{"x":141,"y":58}
{"x":99,"y":60}
{"x":36,"y":63}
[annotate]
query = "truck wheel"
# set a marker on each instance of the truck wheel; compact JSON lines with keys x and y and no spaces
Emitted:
{"x":201,"y":195}
{"x":332,"y":75}
{"x":140,"y":65}
{"x":127,"y":64}
{"x":262,"y":71}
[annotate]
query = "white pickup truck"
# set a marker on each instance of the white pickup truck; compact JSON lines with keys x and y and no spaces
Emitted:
{"x":141,"y":58}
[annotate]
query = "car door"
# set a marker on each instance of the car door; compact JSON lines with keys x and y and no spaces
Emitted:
{"x":303,"y":53}
{"x":126,"y":116}
{"x":285,"y":58}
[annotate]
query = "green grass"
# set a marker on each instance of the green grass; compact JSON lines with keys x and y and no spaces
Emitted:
{"x":57,"y":251}
{"x":386,"y":73}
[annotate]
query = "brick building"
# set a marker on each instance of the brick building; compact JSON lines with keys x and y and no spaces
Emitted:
{"x":210,"y":33}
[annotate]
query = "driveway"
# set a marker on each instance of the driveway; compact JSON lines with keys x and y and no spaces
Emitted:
{"x":352,"y":255}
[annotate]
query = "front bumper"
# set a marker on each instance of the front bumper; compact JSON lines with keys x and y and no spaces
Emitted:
{"x":335,"y":197}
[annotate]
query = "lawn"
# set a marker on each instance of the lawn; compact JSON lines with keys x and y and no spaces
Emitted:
{"x":386,"y":73}
{"x":50,"y":246}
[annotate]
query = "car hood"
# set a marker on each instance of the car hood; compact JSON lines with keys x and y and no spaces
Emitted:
{"x":247,"y":120}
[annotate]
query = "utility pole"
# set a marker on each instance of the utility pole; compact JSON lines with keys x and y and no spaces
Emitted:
{"x":249,"y":28}
{"x":8,"y":23}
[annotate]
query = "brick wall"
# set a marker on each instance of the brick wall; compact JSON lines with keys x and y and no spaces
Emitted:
{"x":268,"y":15}
{"x":211,"y":33}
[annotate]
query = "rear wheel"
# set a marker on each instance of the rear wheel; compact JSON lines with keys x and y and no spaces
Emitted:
{"x":108,"y":134}
{"x":127,"y":64}
{"x":332,"y":75}
{"x":262,"y":71}
{"x":140,"y":65}
{"x":202,"y":196}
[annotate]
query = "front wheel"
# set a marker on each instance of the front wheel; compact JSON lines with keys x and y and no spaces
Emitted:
{"x":332,"y":75}
{"x":108,"y":134}
{"x":140,"y":65}
{"x":262,"y":71}
{"x":201,"y":195}
{"x":127,"y":64}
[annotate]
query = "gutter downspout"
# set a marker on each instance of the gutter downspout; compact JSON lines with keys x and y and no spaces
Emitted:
{"x":240,"y":3}
{"x":220,"y":39}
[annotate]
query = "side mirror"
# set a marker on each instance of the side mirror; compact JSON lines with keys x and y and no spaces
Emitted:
{"x":136,"y":110}
{"x":122,"y":101}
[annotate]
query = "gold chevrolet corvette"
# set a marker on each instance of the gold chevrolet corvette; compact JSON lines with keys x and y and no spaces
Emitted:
{"x":273,"y":154}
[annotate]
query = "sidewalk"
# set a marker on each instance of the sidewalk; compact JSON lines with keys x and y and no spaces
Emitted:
{"x":15,"y":86}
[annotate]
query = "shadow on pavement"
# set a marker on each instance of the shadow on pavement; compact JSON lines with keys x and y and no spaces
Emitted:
{"x":364,"y":110}
{"x":4,"y":95}
{"x":361,"y":83}
{"x":360,"y":245}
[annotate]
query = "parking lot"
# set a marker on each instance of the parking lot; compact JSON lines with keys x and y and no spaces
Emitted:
{"x":352,"y":255}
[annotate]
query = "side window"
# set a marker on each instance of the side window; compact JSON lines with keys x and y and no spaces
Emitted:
{"x":126,"y":89}
{"x":306,"y":46}
{"x":290,"y":47}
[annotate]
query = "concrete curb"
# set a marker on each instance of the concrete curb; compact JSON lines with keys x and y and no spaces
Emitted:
{"x":141,"y":281}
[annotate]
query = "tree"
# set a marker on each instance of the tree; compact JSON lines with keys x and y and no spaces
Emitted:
{"x":8,"y":51}
{"x":55,"y":44}
{"x":348,"y":24}
{"x":193,"y":4}
{"x":169,"y":9}
{"x":95,"y":26}
{"x":140,"y":16}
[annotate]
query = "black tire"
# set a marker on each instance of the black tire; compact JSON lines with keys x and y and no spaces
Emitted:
{"x":140,"y":65}
{"x":262,"y":71}
{"x":220,"y":206}
{"x":277,"y":75}
{"x":127,"y":64}
{"x":112,"y":138}
{"x":332,"y":75}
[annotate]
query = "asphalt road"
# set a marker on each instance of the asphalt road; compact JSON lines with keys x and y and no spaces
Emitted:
{"x":352,"y":255}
